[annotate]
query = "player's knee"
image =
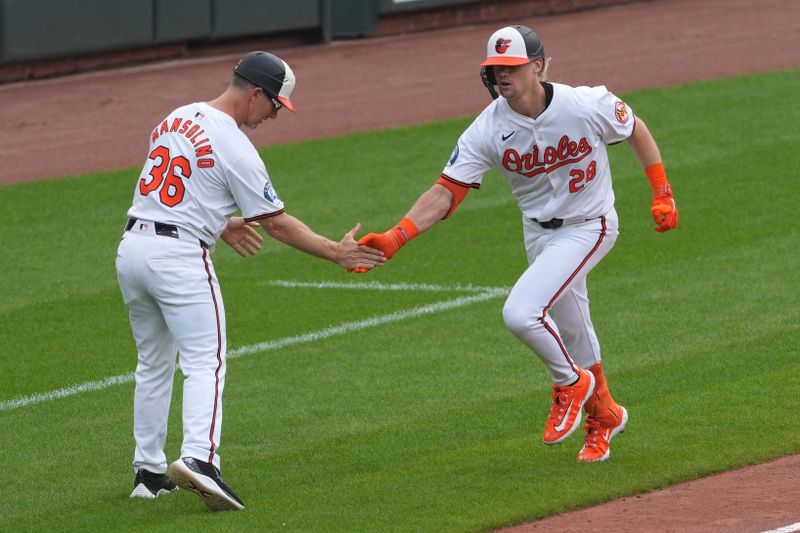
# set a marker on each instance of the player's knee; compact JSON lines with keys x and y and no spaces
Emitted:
{"x":518,"y":319}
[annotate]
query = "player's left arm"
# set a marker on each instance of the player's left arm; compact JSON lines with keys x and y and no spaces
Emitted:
{"x":644,"y":147}
{"x":241,"y":236}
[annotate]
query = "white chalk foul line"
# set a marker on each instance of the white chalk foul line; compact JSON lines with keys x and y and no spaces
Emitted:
{"x":367,"y":323}
{"x":791,"y":528}
{"x":378,"y":286}
{"x":25,"y":401}
{"x":436,"y":307}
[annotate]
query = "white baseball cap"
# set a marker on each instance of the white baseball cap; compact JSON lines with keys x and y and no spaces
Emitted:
{"x":513,"y":45}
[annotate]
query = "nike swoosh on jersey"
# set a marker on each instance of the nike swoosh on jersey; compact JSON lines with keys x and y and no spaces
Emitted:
{"x":563,"y":423}
{"x":507,"y":137}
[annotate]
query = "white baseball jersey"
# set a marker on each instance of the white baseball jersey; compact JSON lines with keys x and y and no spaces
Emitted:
{"x":556,"y":164}
{"x":200,"y":168}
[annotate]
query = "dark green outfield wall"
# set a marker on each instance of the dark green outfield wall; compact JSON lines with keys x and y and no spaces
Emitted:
{"x":35,"y":30}
{"x":41,"y":29}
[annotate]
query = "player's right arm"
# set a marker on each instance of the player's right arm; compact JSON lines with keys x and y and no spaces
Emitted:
{"x":464,"y":171}
{"x":345,"y":253}
{"x":431,"y":207}
{"x":435,"y":204}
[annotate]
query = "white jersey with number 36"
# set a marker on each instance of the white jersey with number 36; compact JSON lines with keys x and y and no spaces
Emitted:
{"x":556,"y":164}
{"x":201,"y":167}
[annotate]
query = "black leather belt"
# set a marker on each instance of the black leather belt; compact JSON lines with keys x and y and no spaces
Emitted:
{"x":165,"y":230}
{"x":553,"y":223}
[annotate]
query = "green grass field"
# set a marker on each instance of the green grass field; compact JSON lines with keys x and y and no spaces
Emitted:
{"x":429,"y":418}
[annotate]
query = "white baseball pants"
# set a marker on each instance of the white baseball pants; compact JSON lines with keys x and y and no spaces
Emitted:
{"x":175,"y":306}
{"x":548,"y":308}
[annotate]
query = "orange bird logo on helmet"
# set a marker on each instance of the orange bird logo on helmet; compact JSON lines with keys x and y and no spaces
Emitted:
{"x":502,"y":45}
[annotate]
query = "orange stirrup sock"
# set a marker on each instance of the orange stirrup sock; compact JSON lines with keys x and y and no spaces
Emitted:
{"x":601,"y":405}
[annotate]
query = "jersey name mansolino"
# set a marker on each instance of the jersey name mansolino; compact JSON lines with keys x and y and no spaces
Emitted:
{"x":200,"y":170}
{"x":193,"y":132}
{"x":531,"y":164}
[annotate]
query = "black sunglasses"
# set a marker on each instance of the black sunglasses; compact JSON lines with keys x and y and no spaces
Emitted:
{"x":275,"y":101}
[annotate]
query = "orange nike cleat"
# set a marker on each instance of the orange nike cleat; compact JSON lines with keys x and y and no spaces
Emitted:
{"x":565,"y":413}
{"x":598,"y":437}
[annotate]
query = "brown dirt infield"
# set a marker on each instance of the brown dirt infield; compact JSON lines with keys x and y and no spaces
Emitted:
{"x":101,"y":121}
{"x":749,"y":500}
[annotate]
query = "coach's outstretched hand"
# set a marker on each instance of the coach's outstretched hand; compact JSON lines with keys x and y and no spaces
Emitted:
{"x":241,"y":236}
{"x":354,"y":256}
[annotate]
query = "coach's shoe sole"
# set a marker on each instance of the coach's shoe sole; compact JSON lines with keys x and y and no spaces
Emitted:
{"x":212,"y":493}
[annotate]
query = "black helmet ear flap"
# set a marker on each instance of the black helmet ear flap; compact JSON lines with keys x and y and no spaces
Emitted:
{"x":488,"y":79}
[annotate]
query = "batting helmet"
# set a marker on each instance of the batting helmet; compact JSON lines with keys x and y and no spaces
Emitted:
{"x":512,"y":45}
{"x":269,"y":72}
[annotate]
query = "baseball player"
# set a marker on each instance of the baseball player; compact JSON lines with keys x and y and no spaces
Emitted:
{"x":201,"y":169}
{"x":549,"y":141}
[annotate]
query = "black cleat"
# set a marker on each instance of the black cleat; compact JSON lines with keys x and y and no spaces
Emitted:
{"x":204,"y":480}
{"x":149,"y":485}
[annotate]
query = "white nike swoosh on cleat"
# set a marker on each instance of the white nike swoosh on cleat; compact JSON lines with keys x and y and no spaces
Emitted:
{"x":563,"y":423}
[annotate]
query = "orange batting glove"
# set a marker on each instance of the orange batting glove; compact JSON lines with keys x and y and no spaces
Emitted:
{"x":665,"y":213}
{"x":390,"y":241}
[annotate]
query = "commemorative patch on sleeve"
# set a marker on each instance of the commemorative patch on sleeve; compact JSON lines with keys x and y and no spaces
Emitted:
{"x":453,"y":156}
{"x":270,"y":194}
{"x":621,"y":112}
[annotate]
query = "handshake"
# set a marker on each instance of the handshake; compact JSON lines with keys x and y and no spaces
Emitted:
{"x":387,"y":243}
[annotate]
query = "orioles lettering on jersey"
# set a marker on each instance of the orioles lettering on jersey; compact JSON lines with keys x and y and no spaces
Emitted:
{"x":532,"y":164}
